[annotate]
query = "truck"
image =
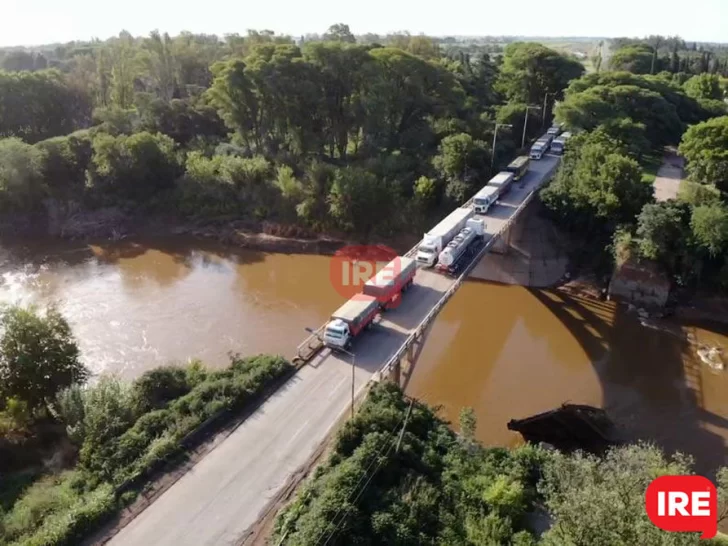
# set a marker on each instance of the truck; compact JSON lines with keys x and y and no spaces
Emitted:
{"x":540,"y":147}
{"x":485,"y":198}
{"x":502,"y":182}
{"x":519,"y":167}
{"x":554,"y":130}
{"x":457,"y":251}
{"x":350,"y":320}
{"x":391,"y":281}
{"x":435,"y":240}
{"x":559,"y":144}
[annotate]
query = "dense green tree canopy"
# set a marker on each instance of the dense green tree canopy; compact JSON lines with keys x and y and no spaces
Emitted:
{"x":531,"y":70}
{"x":38,"y":356}
{"x":637,"y":59}
{"x":705,"y":147}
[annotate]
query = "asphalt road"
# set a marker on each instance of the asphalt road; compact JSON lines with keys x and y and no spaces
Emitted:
{"x":224,"y":494}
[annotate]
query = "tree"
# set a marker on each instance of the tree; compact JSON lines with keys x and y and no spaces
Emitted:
{"x":530,"y":70}
{"x":133,"y":167}
{"x":710,"y":228}
{"x":704,"y":86}
{"x":22,"y":185}
{"x":601,"y":500}
{"x":339,"y":33}
{"x":705,"y":147}
{"x":637,"y":59}
{"x":162,"y":64}
{"x":38,"y":356}
{"x":663,"y":230}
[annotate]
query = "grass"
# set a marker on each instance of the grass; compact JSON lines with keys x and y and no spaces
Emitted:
{"x":150,"y":426}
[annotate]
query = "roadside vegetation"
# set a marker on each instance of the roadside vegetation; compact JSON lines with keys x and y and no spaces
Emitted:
{"x":602,"y":194}
{"x":397,"y":474}
{"x":76,"y":452}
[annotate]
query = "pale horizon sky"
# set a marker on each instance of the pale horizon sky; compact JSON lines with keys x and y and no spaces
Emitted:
{"x":36,"y":22}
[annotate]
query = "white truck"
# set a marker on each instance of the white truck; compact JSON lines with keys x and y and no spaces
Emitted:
{"x":540,"y":147}
{"x":558,"y":146}
{"x":454,"y":255}
{"x":502,"y":182}
{"x":437,"y":238}
{"x":349,"y":320}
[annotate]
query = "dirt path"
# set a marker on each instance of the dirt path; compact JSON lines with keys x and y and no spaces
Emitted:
{"x":667,"y":181}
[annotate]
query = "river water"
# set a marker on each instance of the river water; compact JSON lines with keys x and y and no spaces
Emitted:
{"x":508,"y":352}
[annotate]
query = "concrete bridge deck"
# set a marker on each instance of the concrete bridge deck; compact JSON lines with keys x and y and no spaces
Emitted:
{"x":222,"y":496}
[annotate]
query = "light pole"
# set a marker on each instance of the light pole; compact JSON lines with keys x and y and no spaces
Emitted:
{"x":525,"y":123}
{"x":495,"y":135}
{"x":352,"y":356}
{"x":545,"y":98}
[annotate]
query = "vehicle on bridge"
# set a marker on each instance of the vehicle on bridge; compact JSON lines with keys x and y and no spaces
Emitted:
{"x":391,"y":281}
{"x":437,"y":238}
{"x":519,"y":167}
{"x":554,"y":130}
{"x":540,"y":147}
{"x":491,"y":192}
{"x":457,"y":252}
{"x":350,"y":320}
{"x":558,"y":146}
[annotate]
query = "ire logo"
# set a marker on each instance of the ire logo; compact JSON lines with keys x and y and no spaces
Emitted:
{"x":683,"y":503}
{"x":352,"y":266}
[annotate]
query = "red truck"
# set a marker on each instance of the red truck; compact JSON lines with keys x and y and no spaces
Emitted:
{"x":393,"y":279}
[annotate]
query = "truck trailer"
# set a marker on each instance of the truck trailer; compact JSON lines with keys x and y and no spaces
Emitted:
{"x":519,"y":167}
{"x":437,"y":238}
{"x":350,"y":320}
{"x":502,"y":182}
{"x":462,"y":247}
{"x":391,"y":281}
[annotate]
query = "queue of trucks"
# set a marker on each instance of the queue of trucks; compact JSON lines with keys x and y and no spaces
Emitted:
{"x":378,"y":294}
{"x":553,"y":141}
{"x":450,"y":244}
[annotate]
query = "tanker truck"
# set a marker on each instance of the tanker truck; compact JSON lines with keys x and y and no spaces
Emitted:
{"x":458,"y":251}
{"x":349,"y":320}
{"x":391,"y":281}
{"x":435,"y":240}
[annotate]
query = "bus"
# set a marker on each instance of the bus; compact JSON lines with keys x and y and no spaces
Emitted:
{"x":519,"y":167}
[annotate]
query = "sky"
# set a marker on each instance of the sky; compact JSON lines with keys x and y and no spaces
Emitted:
{"x":33,"y":22}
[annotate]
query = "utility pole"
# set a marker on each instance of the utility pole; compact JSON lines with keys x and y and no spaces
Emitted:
{"x":495,"y":135}
{"x":525,"y":123}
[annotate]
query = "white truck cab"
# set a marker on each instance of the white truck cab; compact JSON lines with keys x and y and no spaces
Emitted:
{"x":427,"y":252}
{"x":337,"y":334}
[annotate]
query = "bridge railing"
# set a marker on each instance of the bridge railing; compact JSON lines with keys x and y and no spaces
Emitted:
{"x":394,"y":359}
{"x":314,"y":342}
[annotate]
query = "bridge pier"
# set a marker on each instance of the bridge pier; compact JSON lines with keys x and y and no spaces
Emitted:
{"x":502,"y":243}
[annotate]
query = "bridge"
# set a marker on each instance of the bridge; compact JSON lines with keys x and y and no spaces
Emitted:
{"x":225,"y":494}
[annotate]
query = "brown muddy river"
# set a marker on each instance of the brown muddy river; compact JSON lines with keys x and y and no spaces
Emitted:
{"x":508,"y":352}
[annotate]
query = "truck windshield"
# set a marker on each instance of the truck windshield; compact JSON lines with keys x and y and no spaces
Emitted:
{"x":426,"y":250}
{"x":480,"y":202}
{"x":333,"y":332}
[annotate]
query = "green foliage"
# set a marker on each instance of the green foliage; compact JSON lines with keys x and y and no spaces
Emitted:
{"x":126,"y":432}
{"x":64,"y":163}
{"x":637,"y":59}
{"x":22,"y":185}
{"x":705,"y":147}
{"x":38,"y":356}
{"x":663,"y":229}
{"x":134,"y":167}
{"x":704,"y":86}
{"x":710,"y":227}
{"x":601,"y":501}
{"x":38,"y":105}
{"x":433,"y":490}
{"x":531,"y":70}
{"x":597,"y":188}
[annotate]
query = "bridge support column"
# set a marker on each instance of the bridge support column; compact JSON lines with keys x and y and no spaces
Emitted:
{"x":502,"y":245}
{"x":395,"y":373}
